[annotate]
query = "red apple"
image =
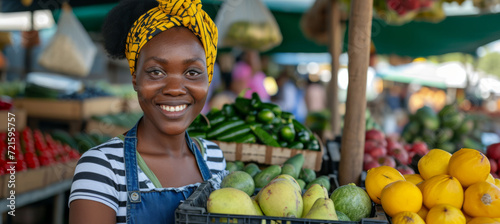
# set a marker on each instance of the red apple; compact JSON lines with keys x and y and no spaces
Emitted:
{"x":494,"y":175}
{"x":407,"y":147}
{"x":392,"y":144}
{"x":426,"y":3}
{"x":410,"y":156}
{"x":375,"y":134}
{"x":411,"y":4}
{"x":403,"y":169}
{"x":400,"y":154}
{"x":493,"y":165}
{"x":370,"y":145}
{"x":493,"y":151}
{"x":387,"y":161}
{"x":371,"y":164}
{"x":420,"y":148}
{"x":378,"y":152}
{"x":367,"y":158}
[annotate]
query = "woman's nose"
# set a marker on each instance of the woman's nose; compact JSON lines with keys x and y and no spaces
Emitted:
{"x":174,"y":85}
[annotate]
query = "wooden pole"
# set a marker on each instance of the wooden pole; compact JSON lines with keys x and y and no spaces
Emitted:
{"x":353,"y":136}
{"x":335,"y":42}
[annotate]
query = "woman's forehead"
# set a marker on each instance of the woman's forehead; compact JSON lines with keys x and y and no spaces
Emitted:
{"x":179,"y":41}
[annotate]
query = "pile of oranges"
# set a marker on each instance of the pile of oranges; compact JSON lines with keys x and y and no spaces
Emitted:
{"x":450,"y":188}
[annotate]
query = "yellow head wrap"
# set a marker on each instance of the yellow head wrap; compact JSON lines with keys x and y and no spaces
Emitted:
{"x":168,"y":14}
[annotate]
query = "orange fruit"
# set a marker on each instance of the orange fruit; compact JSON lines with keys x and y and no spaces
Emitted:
{"x":482,"y":199}
{"x":407,"y":218}
{"x":490,"y":179}
{"x":483,"y":220}
{"x":433,"y":163}
{"x":469,"y":166}
{"x":379,"y":177}
{"x":442,"y":189}
{"x":414,"y":178}
{"x":401,"y":196}
{"x":423,"y":212}
{"x":443,"y":213}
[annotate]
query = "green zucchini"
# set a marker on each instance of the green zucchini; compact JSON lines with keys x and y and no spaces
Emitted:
{"x":217,"y":120}
{"x":242,"y":105}
{"x":197,"y":134}
{"x":231,"y":134}
{"x":248,"y":138}
{"x":264,"y":137}
{"x":224,"y":126}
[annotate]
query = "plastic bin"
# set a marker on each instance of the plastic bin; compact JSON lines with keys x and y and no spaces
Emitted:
{"x":193,"y":210}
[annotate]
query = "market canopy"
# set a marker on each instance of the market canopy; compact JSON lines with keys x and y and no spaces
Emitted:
{"x":415,"y":39}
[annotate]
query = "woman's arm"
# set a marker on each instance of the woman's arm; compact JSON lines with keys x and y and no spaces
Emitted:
{"x":86,"y":211}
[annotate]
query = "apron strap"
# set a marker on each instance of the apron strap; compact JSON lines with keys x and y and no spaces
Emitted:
{"x":130,"y":146}
{"x":202,"y":165}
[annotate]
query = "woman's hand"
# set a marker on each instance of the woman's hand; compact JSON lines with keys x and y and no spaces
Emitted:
{"x":86,"y":211}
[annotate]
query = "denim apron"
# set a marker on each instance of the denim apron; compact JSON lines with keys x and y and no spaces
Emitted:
{"x":155,"y":206}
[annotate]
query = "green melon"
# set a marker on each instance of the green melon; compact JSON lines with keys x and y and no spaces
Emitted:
{"x":239,"y":180}
{"x":352,"y":201}
{"x":342,"y":216}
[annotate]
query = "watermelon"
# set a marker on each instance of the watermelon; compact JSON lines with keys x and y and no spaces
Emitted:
{"x":352,"y":201}
{"x":342,"y":216}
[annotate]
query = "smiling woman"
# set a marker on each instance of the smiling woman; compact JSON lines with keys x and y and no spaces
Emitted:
{"x":142,"y":176}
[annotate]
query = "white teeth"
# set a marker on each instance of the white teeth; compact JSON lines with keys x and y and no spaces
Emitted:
{"x":173,"y":108}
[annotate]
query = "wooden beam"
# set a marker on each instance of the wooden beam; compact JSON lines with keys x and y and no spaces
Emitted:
{"x":335,"y":43}
{"x":353,"y":136}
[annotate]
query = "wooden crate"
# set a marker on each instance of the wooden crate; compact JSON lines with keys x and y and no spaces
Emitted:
{"x":269,"y":155}
{"x":38,"y":178}
{"x":69,"y":109}
{"x":20,"y":122}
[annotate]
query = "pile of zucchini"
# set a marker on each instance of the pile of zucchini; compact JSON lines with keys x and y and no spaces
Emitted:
{"x":254,"y":121}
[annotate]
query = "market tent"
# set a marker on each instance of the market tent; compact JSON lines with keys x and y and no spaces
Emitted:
{"x":415,"y":39}
{"x":445,"y":75}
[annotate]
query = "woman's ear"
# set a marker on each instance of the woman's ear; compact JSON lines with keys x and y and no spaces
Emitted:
{"x":134,"y":81}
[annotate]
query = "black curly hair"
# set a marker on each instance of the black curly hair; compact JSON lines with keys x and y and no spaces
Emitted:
{"x":118,"y":23}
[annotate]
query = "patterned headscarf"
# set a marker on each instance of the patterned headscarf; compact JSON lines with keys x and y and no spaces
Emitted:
{"x":168,"y":14}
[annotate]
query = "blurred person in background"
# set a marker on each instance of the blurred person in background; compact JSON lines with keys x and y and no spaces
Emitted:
{"x":315,"y":96}
{"x":247,"y":74}
{"x":289,"y":97}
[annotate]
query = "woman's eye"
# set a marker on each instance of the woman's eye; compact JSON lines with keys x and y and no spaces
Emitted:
{"x":155,"y":73}
{"x":193,"y":73}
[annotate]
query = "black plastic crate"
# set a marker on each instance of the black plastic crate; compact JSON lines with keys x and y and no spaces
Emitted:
{"x":193,"y":210}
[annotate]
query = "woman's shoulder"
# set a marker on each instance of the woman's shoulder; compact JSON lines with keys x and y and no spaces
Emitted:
{"x":109,"y":150}
{"x":213,"y":156}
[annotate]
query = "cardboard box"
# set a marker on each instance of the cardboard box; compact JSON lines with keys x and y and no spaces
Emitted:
{"x":20,"y":117}
{"x":69,"y":109}
{"x":268,"y":155}
{"x":37,"y":178}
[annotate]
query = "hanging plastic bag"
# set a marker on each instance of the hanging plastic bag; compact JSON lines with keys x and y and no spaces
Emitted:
{"x":247,"y":24}
{"x":71,"y":51}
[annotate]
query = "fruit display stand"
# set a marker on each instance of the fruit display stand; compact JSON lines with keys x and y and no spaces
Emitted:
{"x":38,"y":184}
{"x":39,"y":178}
{"x":268,"y":155}
{"x":72,"y":111}
{"x":193,"y":210}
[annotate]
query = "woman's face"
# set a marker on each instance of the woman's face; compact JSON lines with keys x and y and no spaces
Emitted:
{"x":171,"y":80}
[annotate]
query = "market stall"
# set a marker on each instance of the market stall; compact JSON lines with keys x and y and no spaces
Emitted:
{"x":276,"y":162}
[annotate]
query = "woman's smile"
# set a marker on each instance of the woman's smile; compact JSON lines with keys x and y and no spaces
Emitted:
{"x":173,"y":112}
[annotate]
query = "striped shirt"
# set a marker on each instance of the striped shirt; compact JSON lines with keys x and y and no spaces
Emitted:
{"x":100,"y":175}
